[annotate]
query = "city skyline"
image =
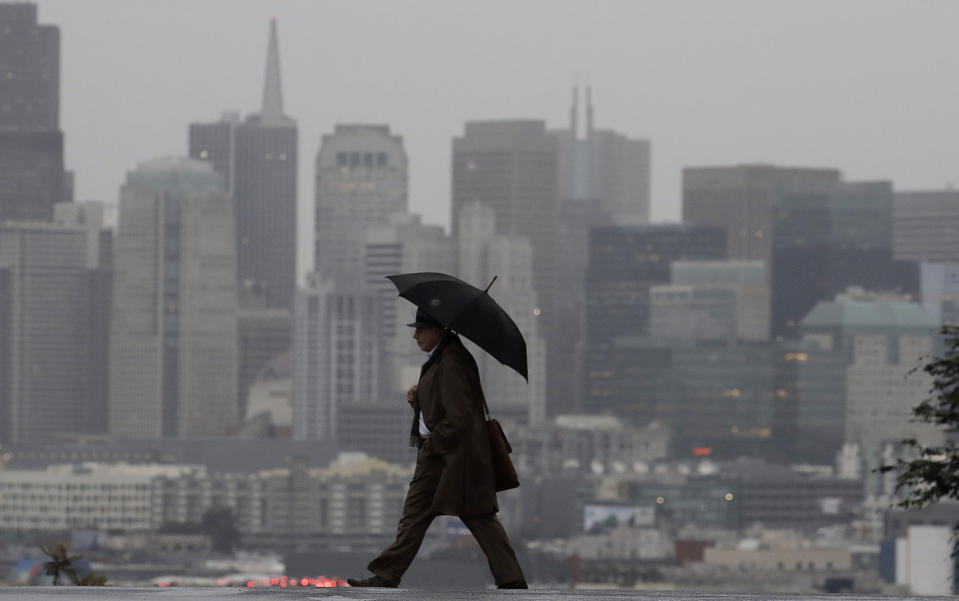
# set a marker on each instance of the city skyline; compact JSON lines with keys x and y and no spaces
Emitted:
{"x":651,"y":73}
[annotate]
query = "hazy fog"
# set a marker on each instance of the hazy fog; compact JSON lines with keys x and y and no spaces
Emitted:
{"x":869,"y":87}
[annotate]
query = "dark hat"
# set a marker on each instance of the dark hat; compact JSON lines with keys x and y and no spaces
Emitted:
{"x":424,"y":320}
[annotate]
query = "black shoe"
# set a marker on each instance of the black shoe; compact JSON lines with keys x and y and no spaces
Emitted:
{"x":514,"y":584}
{"x":375,"y":581}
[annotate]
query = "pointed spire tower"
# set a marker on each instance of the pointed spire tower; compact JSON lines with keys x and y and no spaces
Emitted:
{"x":272,"y":111}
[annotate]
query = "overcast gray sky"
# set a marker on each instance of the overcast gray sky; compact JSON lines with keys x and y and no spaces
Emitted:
{"x":867,"y":86}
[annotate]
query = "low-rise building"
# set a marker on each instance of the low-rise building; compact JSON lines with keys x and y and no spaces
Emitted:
{"x":89,"y":495}
{"x":641,"y":544}
{"x":355,"y":495}
{"x":587,"y":443}
{"x":781,"y":560}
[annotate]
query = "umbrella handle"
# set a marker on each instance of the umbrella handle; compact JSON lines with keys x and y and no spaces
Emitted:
{"x":491,"y":283}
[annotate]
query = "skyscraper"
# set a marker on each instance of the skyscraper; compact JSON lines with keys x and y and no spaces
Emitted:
{"x":603,"y":178}
{"x":264,"y":335}
{"x":624,"y":263}
{"x":406,"y":245}
{"x":720,"y":398}
{"x":939,"y":291}
{"x":511,"y":167}
{"x":712,"y":301}
{"x":483,"y":254}
{"x":604,"y":165}
{"x":31,"y":144}
{"x":91,"y":217}
{"x":854,"y":376}
{"x":742,"y":200}
{"x":924,"y":226}
{"x":826,"y":241}
{"x":45,"y":295}
{"x":336,"y":348}
{"x":256,"y":160}
{"x":173,"y":345}
{"x":817,"y":234}
{"x":361,"y":179}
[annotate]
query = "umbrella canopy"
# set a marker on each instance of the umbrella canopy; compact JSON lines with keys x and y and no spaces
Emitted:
{"x":467,"y":310}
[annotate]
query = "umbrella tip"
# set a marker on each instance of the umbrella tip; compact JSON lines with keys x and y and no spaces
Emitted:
{"x":491,"y":283}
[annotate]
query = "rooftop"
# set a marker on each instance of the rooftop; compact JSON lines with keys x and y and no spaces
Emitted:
{"x":878,"y":314}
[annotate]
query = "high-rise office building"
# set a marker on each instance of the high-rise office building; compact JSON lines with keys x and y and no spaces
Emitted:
{"x":482,"y":255}
{"x":718,"y":399}
{"x":264,"y":335}
{"x":406,"y":245}
{"x":565,"y":367}
{"x":712,"y":301}
{"x":624,"y":263}
{"x":830,"y":240}
{"x":336,"y":348}
{"x":939,"y":291}
{"x":603,"y":178}
{"x":91,"y":217}
{"x":45,"y":340}
{"x":855,"y":383}
{"x":605,"y":165}
{"x":256,"y":160}
{"x":551,"y":186}
{"x":742,"y":200}
{"x":512,"y":167}
{"x":924,"y":226}
{"x":817,"y":234}
{"x":173,"y":342}
{"x":361,"y":179}
{"x":31,"y":143}
{"x":30,"y":62}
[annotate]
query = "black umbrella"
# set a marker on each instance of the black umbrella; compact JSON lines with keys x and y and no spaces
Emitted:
{"x":468,"y":311}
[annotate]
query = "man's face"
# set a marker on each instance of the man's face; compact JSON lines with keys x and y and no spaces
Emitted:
{"x":427,"y":338}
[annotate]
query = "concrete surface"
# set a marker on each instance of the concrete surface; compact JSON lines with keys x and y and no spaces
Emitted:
{"x":357,"y":594}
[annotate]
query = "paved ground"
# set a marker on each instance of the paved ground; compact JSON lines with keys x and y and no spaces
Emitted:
{"x":347,"y":594}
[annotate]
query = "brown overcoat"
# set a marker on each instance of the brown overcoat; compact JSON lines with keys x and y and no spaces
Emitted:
{"x":451,"y":400}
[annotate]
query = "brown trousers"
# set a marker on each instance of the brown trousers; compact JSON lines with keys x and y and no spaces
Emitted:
{"x":417,"y":517}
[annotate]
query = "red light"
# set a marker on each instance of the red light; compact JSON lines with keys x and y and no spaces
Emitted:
{"x":251,"y":584}
{"x":163,"y":584}
{"x":342,"y":582}
{"x":702,"y":451}
{"x":283,"y":584}
{"x":293,"y":582}
{"x":275,"y":581}
{"x":304,"y":582}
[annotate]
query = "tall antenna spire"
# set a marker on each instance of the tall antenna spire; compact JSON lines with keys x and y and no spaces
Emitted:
{"x":573,"y":110}
{"x":272,"y":110}
{"x":589,"y":111}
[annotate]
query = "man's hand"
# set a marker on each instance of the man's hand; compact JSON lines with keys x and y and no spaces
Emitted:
{"x":411,"y":394}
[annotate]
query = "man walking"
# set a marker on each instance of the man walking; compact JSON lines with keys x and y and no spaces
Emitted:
{"x":454,"y":473}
